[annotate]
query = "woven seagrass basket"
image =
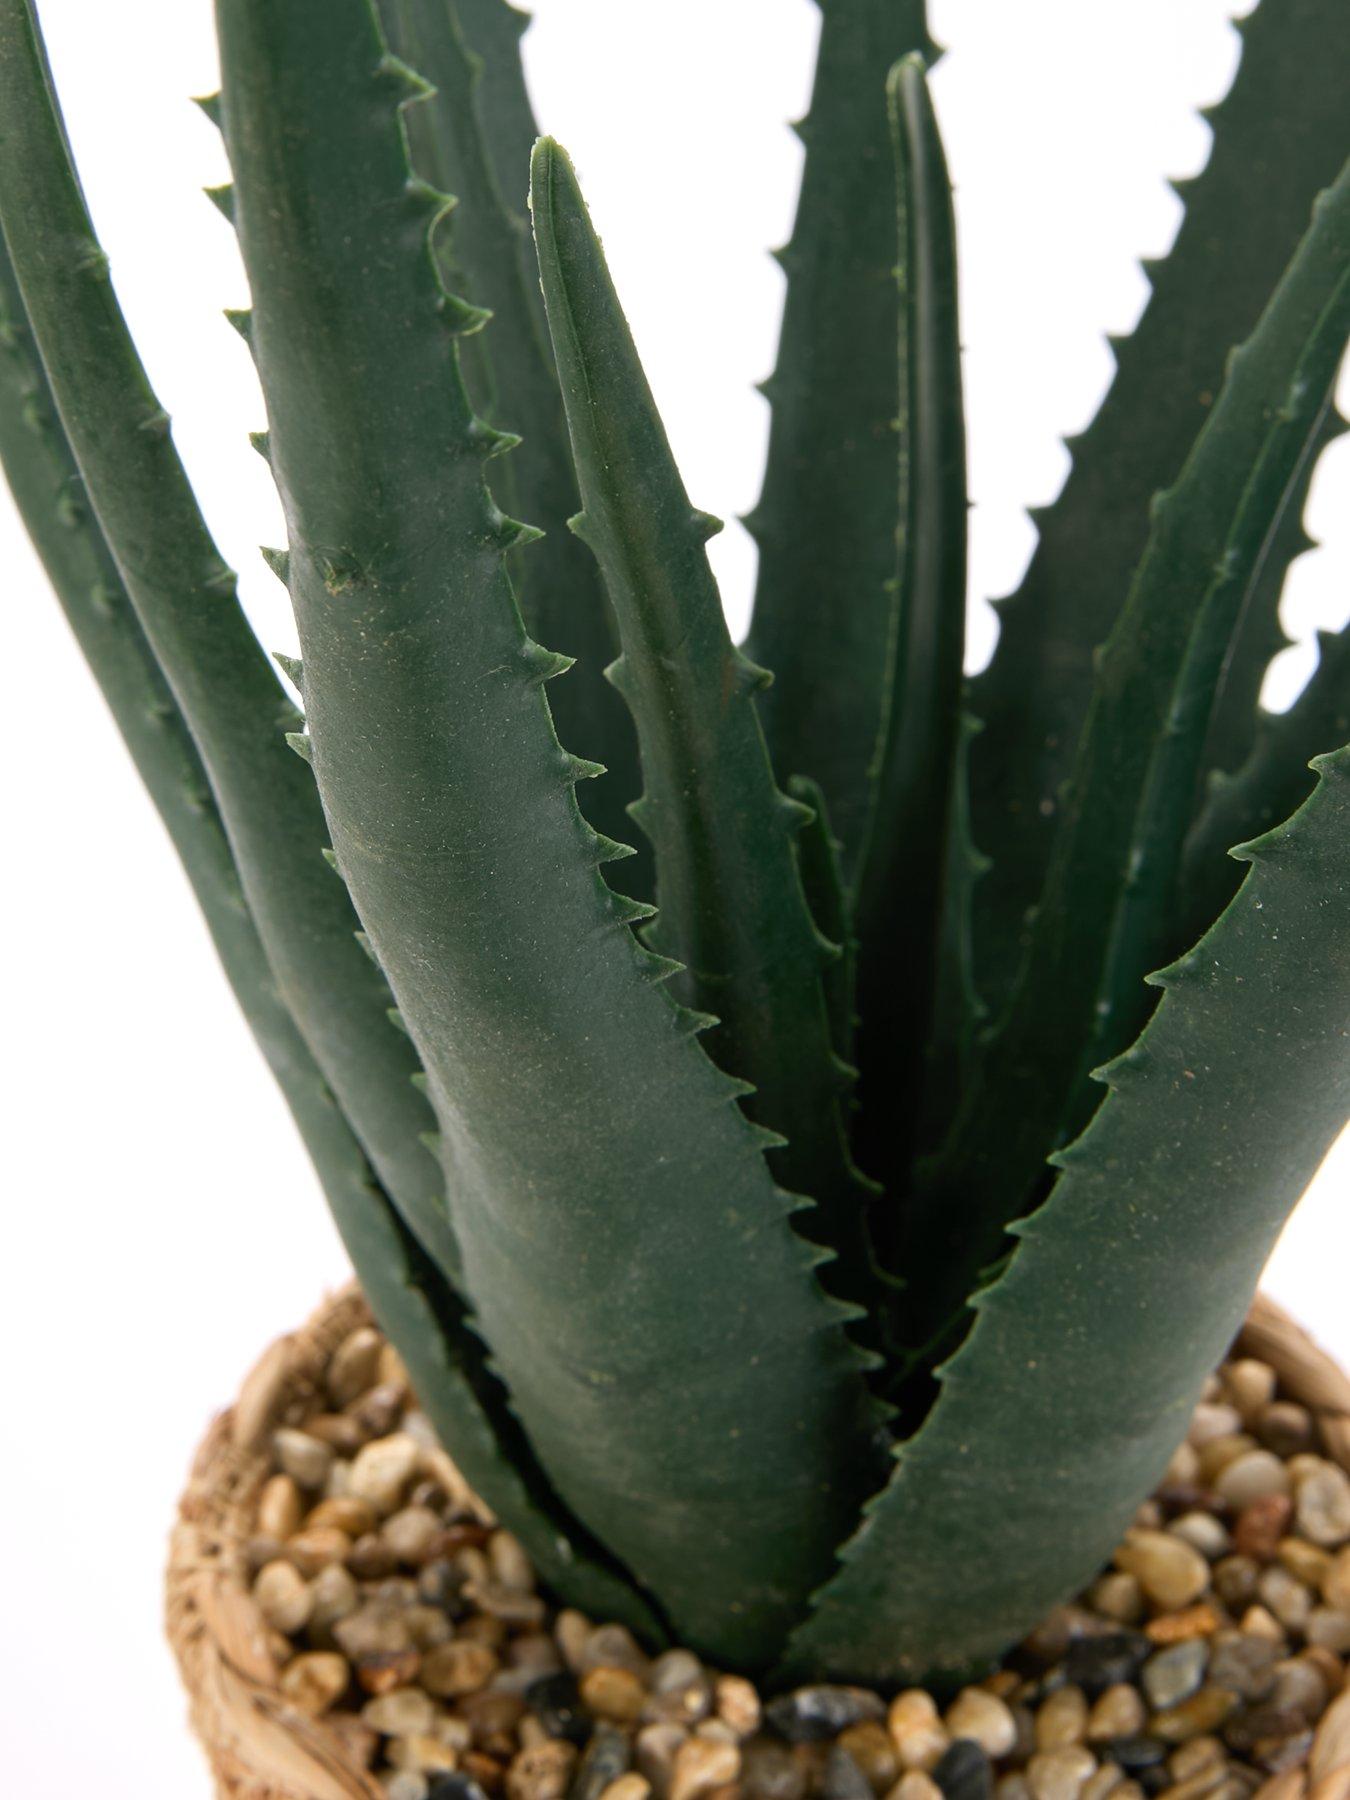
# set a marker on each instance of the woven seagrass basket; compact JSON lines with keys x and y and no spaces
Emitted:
{"x":261,"y":1748}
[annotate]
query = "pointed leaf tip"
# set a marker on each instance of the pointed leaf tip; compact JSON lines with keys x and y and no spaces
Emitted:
{"x":222,"y":198}
{"x":278,"y":561}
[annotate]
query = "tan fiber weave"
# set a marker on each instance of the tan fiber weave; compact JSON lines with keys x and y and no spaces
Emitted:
{"x":260,"y":1748}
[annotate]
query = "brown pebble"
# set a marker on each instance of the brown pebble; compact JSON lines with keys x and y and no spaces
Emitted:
{"x":915,"y":1785}
{"x":1291,"y":1785}
{"x":1261,"y":1525}
{"x":315,"y":1548}
{"x":410,"y":1534}
{"x":382,"y":1469}
{"x":305,"y":1459}
{"x":631,"y":1786}
{"x":701,"y":1765}
{"x":1199,"y":1753}
{"x":1102,"y":1781}
{"x":370,"y":1558}
{"x":487,"y":1771}
{"x":344,"y":1513}
{"x":423,"y":1752}
{"x":1204,"y":1711}
{"x":385,"y":1670}
{"x":984,"y":1719}
{"x":1205,"y":1781}
{"x":283,"y":1596}
{"x":1255,"y":1475}
{"x":1285,"y":1428}
{"x":1060,"y":1774}
{"x":1179,"y":1627}
{"x":1329,"y":1628}
{"x":458,"y":1668}
{"x":541,"y":1773}
{"x":353,"y":1365}
{"x":280,"y":1507}
{"x":1322,"y":1505}
{"x":1119,"y":1596}
{"x":871,"y":1747}
{"x":1216,"y":1455}
{"x":335,"y":1596}
{"x":1235,"y":1579}
{"x":737,"y":1704}
{"x":614,"y":1694}
{"x":1061,"y":1719}
{"x":506,"y":1604}
{"x":315,"y":1681}
{"x":1257,"y":1622}
{"x":919,"y":1736}
{"x":1119,"y":1712}
{"x":1331,"y":1745}
{"x":378,"y":1412}
{"x":655,"y":1748}
{"x":510,"y":1566}
{"x":1249,"y":1384}
{"x":402,"y":1712}
{"x":340,"y":1433}
{"x":1309,"y":1562}
{"x":1170,"y":1572}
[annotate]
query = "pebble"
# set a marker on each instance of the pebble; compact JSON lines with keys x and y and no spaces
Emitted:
{"x":422,"y":1752}
{"x":631,"y":1786}
{"x":402,"y":1712}
{"x":655,"y":1749}
{"x":614,"y":1646}
{"x":457,"y":1668}
{"x":1103,"y":1781}
{"x":1262,"y":1525}
{"x":1062,"y":1719}
{"x":700,"y":1765}
{"x":1285,"y":1596}
{"x":1331,"y":1745}
{"x":1257,"y":1475}
{"x":555,"y":1699}
{"x":1250,"y":1385}
{"x":1175,"y":1628}
{"x":317,"y":1547}
{"x":1203,"y":1532}
{"x":280,"y":1507}
{"x":354,"y":1366}
{"x":305,"y":1459}
{"x":1309,"y":1562}
{"x":1060,"y":1774}
{"x":770,"y":1771}
{"x":1097,"y":1663}
{"x":1136,"y":1753}
{"x":737,"y":1704}
{"x":1118,"y":1713}
{"x":811,"y":1714}
{"x":1244,"y":1665}
{"x":605,"y":1760}
{"x":841,"y":1777}
{"x":406,"y":1784}
{"x":916,"y":1730}
{"x":1119,"y":1596}
{"x":541,"y":1773}
{"x":283,"y":1596}
{"x":1298,"y":1687}
{"x":614,"y":1694}
{"x":1330,"y":1628}
{"x":1204,"y":1711}
{"x":410,"y":1533}
{"x":1322,"y":1505}
{"x":871,"y":1747}
{"x":1211,"y":1421}
{"x":1285,"y":1428}
{"x":1170,"y":1572}
{"x":964,"y":1772}
{"x":984,"y":1719}
{"x":381,"y":1470}
{"x":915,"y":1785}
{"x":1174,"y":1674}
{"x":315,"y":1681}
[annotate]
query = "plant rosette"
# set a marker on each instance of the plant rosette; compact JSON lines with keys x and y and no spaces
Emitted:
{"x":351,"y":1623}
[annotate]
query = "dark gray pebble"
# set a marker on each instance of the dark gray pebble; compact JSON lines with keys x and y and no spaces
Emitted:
{"x":605,"y":1758}
{"x":809,"y":1715}
{"x":842,"y":1778}
{"x":1135,"y":1754}
{"x":556,"y":1702}
{"x":455,"y":1787}
{"x":1097,"y":1663}
{"x":964,"y":1772}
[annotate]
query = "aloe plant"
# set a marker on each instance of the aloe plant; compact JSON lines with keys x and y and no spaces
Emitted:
{"x":810,"y":1233}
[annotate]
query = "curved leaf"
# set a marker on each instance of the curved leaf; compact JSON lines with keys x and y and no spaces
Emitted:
{"x":490,"y":255}
{"x":184,"y":599}
{"x":1105,"y":911}
{"x":731,"y":906}
{"x":902,"y":870}
{"x":1244,"y":215}
{"x":418,"y":1313}
{"x":826,"y":521}
{"x":681,"y":1375}
{"x":1143,"y":1259}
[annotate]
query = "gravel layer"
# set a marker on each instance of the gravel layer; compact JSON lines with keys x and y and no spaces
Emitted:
{"x":1207,"y":1662}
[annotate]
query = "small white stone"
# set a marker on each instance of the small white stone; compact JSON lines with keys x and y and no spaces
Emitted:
{"x":305,"y":1459}
{"x":381,"y":1470}
{"x":1322,"y":1505}
{"x":1060,"y":1774}
{"x":983,"y":1717}
{"x":1254,"y":1476}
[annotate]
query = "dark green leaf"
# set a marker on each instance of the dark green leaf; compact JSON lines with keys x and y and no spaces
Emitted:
{"x":1060,"y":1411}
{"x":731,"y":906}
{"x":680,"y":1373}
{"x":1105,"y":911}
{"x":184,"y":600}
{"x":1243,"y":218}
{"x":902,"y":871}
{"x":826,"y":522}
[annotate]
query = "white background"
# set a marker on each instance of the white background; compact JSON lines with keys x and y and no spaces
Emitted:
{"x":161,"y":1222}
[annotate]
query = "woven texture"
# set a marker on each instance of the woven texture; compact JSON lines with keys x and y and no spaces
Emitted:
{"x":261,"y":1748}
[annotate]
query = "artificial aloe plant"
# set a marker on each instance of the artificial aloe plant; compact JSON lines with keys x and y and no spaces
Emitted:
{"x":810,"y":1233}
